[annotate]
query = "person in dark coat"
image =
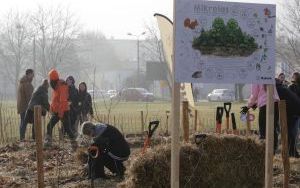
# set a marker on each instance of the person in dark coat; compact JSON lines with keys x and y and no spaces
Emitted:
{"x":111,"y":146}
{"x":39,"y":97}
{"x":281,"y":78}
{"x":85,"y":103}
{"x":25,"y":89}
{"x":295,"y":86}
{"x":73,"y":98}
{"x":292,"y":111}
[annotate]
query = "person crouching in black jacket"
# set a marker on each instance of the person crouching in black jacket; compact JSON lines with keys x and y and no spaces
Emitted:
{"x":110,"y":149}
{"x":292,"y":112}
{"x":39,"y":97}
{"x":85,"y":103}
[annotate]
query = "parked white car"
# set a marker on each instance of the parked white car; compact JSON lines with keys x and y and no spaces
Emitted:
{"x":99,"y":94}
{"x":111,"y":93}
{"x":221,"y":95}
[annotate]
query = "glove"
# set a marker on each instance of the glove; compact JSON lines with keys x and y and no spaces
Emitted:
{"x":254,"y":107}
{"x":244,"y":110}
{"x":93,"y":151}
{"x":93,"y":148}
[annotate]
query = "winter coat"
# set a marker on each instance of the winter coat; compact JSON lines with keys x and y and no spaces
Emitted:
{"x":73,"y":98}
{"x":259,"y":95}
{"x":295,"y":88}
{"x":110,"y":140}
{"x":40,"y":97}
{"x":59,"y":100}
{"x":25,"y":90}
{"x":292,"y":101}
{"x":85,"y":103}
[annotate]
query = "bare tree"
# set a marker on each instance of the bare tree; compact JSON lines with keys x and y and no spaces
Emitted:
{"x":14,"y":50}
{"x":55,"y":32}
{"x":154,"y":48}
{"x":153,"y":44}
{"x":288,"y":40}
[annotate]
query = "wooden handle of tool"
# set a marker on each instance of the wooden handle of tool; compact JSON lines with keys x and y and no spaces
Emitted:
{"x":227,"y":124}
{"x":146,"y":145}
{"x":218,"y":128}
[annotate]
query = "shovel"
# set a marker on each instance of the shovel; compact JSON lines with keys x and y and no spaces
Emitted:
{"x":233,"y":122}
{"x":219,"y":115}
{"x":151,"y":129}
{"x":227,"y":108}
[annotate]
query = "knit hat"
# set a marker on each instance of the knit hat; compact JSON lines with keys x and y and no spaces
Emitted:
{"x":71,"y":78}
{"x":53,"y":75}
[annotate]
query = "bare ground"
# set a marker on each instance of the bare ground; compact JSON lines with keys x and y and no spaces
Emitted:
{"x":63,"y":169}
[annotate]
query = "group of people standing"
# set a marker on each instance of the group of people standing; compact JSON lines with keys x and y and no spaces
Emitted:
{"x":284,"y":90}
{"x":69,"y":104}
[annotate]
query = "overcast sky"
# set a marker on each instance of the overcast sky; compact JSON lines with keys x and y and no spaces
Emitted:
{"x":114,"y":18}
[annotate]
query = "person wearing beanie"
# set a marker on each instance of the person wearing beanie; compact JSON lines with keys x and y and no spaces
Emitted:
{"x":109,"y":149}
{"x":282,"y":80}
{"x":59,"y":108}
{"x":85,"y":103}
{"x":73,"y":99}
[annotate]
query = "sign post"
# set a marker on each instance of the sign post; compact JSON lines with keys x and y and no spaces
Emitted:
{"x":225,"y":42}
{"x":269,"y":138}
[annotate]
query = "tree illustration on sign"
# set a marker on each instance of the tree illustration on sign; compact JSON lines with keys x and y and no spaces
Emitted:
{"x":225,"y":40}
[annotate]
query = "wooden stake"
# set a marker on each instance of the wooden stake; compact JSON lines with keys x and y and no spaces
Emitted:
{"x":175,"y":144}
{"x":269,"y":138}
{"x":185,"y":120}
{"x":167,"y":122}
{"x":284,"y":143}
{"x":248,"y":125}
{"x":195,"y":120}
{"x":39,"y":144}
{"x":44,"y":125}
{"x":142,"y":122}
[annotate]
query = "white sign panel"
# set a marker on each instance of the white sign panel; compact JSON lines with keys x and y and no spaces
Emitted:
{"x":224,"y":42}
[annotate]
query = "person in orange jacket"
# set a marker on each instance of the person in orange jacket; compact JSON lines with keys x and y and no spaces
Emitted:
{"x":60,"y":108}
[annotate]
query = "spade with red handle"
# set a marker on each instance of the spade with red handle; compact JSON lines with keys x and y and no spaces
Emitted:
{"x":151,"y":129}
{"x":227,"y":108}
{"x":219,"y":115}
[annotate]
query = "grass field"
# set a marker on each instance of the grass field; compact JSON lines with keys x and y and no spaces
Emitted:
{"x":127,"y":116}
{"x":206,"y":111}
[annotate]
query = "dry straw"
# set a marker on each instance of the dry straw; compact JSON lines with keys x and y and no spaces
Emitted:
{"x":217,"y":161}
